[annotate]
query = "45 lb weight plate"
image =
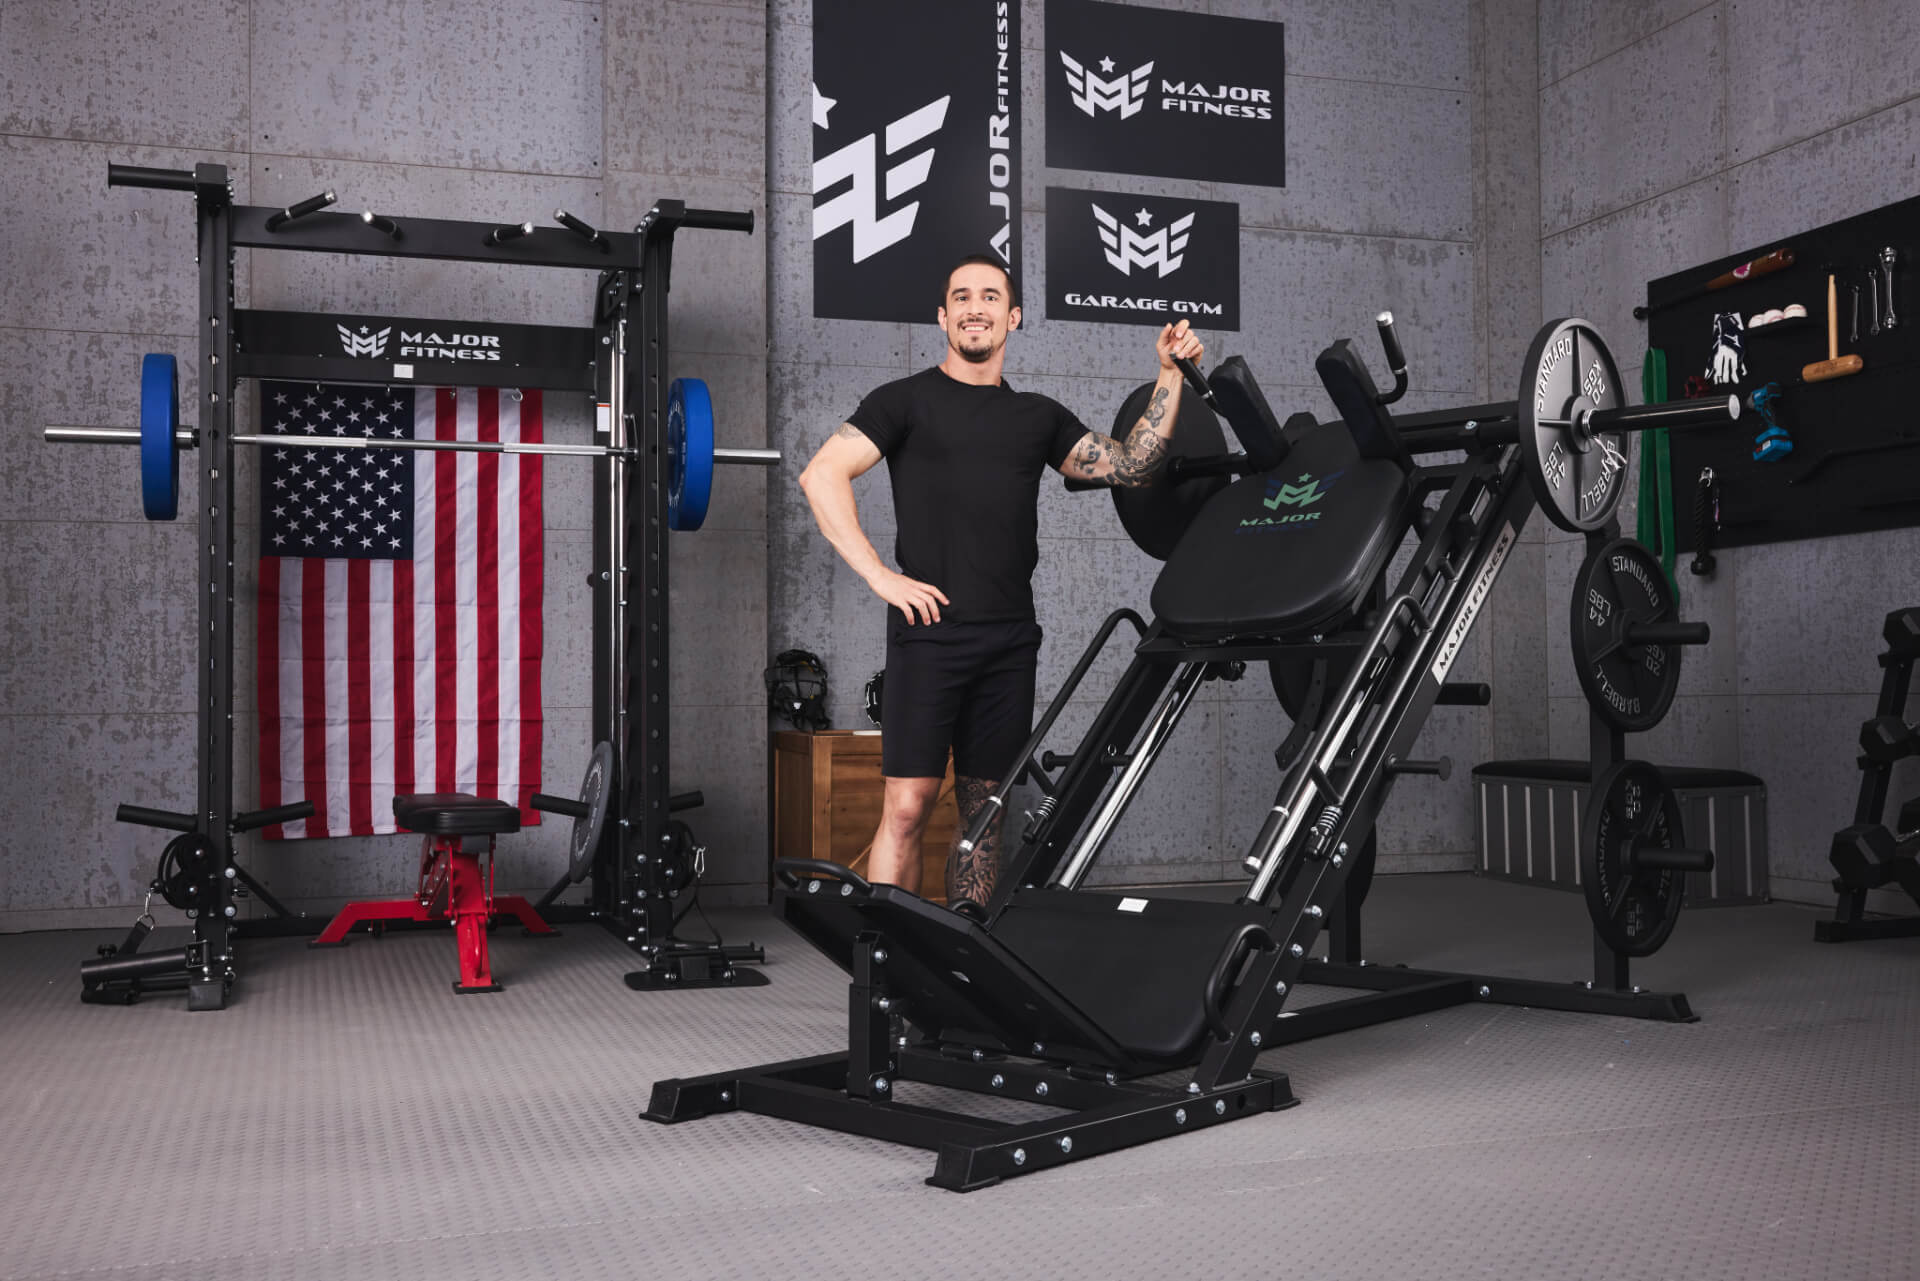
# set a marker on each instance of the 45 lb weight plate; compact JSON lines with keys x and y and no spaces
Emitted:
{"x":1630,"y":843}
{"x":1618,"y":587}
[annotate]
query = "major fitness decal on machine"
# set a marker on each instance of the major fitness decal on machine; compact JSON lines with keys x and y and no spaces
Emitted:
{"x":1173,"y":95}
{"x":915,"y":115}
{"x":1142,"y":260}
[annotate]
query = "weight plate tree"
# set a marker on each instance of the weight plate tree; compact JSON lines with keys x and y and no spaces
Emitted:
{"x":1629,"y":681}
{"x":1632,"y":860}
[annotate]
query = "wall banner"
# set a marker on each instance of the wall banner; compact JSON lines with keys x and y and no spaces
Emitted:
{"x":1142,"y":260}
{"x":915,"y":155}
{"x":1165,"y":93}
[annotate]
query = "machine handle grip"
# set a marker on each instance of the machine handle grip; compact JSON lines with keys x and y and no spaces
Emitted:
{"x":268,"y":817}
{"x":141,"y":176}
{"x":790,"y":870}
{"x":719,"y":219}
{"x":686,"y":801}
{"x":1396,"y":359}
{"x":559,"y":805}
{"x":170,"y":820}
{"x":1464,"y":694}
{"x":1247,"y":936}
{"x":1197,"y":381}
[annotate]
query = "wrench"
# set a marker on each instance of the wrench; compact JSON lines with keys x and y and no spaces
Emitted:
{"x":1873,"y":285}
{"x":1887,"y":257}
{"x":1854,"y":337}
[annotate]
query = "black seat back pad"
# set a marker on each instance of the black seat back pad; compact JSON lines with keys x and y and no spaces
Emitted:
{"x":957,"y":981}
{"x":1287,"y":553}
{"x":1138,"y":966}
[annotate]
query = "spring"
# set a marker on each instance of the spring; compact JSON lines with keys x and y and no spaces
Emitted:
{"x":1323,"y":824}
{"x":1037,"y":818}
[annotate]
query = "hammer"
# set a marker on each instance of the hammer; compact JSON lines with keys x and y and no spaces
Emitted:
{"x":1835,"y":365}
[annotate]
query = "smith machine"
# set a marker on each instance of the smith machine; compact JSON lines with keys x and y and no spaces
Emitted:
{"x":653,"y":469}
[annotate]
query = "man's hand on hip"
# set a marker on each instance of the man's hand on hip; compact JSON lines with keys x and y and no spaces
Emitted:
{"x":910,"y":596}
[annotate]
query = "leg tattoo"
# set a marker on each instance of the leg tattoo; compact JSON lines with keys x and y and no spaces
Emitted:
{"x":972,"y":874}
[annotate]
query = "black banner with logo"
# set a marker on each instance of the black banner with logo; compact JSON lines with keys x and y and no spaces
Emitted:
{"x":916,"y":161}
{"x":1165,"y":93}
{"x":1142,"y":260}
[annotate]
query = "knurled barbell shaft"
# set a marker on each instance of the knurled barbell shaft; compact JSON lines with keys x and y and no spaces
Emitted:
{"x":1672,"y":413}
{"x":188,"y":439}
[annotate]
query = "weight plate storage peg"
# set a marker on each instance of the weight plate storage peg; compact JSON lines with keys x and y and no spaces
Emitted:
{"x":1579,"y":475}
{"x":689,"y":453}
{"x":1619,"y":588}
{"x":1632,"y":864}
{"x":159,"y":431}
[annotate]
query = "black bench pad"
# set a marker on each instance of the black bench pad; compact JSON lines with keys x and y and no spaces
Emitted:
{"x":1287,"y":552}
{"x":455,"y":814}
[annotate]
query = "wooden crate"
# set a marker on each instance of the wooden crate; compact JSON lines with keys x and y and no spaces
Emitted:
{"x":827,"y":792}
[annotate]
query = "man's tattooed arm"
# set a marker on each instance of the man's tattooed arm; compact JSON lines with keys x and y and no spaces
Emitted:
{"x":1133,"y":463}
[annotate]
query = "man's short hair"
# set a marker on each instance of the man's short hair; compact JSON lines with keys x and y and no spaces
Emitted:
{"x":985,"y":260}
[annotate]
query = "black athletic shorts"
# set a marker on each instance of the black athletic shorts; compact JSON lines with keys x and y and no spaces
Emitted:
{"x":968,"y":686}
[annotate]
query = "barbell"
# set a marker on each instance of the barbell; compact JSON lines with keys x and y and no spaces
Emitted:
{"x":1569,"y":421}
{"x":691,"y":452}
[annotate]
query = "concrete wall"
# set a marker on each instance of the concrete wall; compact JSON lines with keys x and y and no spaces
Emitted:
{"x":1387,"y":121}
{"x":1670,"y":134}
{"x":410,"y":107}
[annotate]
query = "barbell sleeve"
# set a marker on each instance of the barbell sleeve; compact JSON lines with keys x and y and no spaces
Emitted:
{"x":141,"y":176}
{"x":1667,"y":634}
{"x":1712,"y":412}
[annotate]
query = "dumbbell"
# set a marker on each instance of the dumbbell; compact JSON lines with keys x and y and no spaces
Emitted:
{"x":1867,"y":857}
{"x":1902,"y":632}
{"x":1888,"y":738}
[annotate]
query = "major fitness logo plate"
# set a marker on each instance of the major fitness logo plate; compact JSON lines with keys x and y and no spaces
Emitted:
{"x":1165,"y":93}
{"x":1142,"y":260}
{"x":915,"y":112}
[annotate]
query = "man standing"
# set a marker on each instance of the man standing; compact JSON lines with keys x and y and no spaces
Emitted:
{"x":965,"y":453}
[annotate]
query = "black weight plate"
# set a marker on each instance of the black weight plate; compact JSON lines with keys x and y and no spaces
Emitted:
{"x":1578,"y":481}
{"x":595,"y":789}
{"x":186,"y":869}
{"x":1633,"y":908}
{"x":1630,"y":686}
{"x":1155,"y":515}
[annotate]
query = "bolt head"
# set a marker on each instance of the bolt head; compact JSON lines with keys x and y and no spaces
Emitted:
{"x":1193,"y":1087}
{"x":1179,"y":1116}
{"x":1485,"y":990}
{"x":879,"y":956}
{"x":1039,"y":1048}
{"x":998,"y":1081}
{"x":1019,"y":1156}
{"x":880,"y":1085}
{"x":1219,"y":1107}
{"x":1297,"y":950}
{"x":1253,"y":1038}
{"x":1041,"y":1089}
{"x":846,"y":890}
{"x":883,"y":1004}
{"x":1066,"y":1143}
{"x":1280,"y":988}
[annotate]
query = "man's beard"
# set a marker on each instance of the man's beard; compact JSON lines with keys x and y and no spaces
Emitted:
{"x":976,"y":357}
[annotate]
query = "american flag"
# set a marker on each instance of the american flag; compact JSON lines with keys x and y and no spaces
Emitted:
{"x":399,"y":612}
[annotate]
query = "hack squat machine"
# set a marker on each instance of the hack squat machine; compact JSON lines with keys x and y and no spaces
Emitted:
{"x":653,"y":460}
{"x":1132,"y":1017}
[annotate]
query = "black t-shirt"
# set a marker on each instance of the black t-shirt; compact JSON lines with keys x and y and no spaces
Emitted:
{"x":965,"y":462}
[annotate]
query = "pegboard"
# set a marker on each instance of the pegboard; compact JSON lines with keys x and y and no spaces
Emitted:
{"x":1855,"y":463}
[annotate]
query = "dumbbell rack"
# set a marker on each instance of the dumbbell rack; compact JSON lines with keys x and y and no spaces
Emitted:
{"x":1866,"y":854}
{"x":631,"y":893}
